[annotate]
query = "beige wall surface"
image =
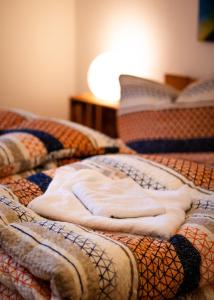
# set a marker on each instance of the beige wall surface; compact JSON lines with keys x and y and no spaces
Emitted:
{"x":163,"y":32}
{"x":46,"y":46}
{"x":37,"y":50}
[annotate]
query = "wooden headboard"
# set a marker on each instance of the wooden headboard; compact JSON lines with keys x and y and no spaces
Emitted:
{"x":177,"y":81}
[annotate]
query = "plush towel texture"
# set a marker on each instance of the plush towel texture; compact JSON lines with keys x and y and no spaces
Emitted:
{"x":90,"y":198}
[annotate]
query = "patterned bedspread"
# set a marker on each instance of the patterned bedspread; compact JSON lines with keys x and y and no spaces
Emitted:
{"x":46,"y":259}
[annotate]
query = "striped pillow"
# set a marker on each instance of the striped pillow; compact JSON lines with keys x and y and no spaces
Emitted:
{"x":167,"y":128}
{"x":137,"y":92}
{"x":202,"y":90}
{"x":37,"y":141}
{"x":13,"y":117}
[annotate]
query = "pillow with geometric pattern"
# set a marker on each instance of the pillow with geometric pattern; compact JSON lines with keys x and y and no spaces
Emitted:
{"x":137,"y":91}
{"x":149,"y":123}
{"x":12,"y":117}
{"x":202,"y":90}
{"x":40,"y":140}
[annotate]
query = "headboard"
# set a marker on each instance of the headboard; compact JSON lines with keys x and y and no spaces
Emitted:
{"x":177,"y":81}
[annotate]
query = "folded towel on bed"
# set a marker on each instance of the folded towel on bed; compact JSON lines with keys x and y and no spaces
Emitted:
{"x":89,"y":198}
{"x":123,"y":198}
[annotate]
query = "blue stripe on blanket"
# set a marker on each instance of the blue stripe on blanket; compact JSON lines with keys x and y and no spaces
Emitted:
{"x":112,"y":149}
{"x":49,"y":141}
{"x":40,"y":179}
{"x":168,"y":146}
{"x":190,"y":259}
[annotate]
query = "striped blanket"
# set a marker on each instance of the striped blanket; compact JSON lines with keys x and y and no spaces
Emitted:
{"x":47,"y":259}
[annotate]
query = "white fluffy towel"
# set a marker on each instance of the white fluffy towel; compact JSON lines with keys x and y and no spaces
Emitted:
{"x":89,"y":198}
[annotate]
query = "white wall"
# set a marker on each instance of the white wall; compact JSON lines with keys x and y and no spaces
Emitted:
{"x":37,"y":48}
{"x":46,"y":46}
{"x":165,"y":32}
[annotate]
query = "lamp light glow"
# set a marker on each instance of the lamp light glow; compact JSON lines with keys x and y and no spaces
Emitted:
{"x":103,"y":77}
{"x":105,"y":69}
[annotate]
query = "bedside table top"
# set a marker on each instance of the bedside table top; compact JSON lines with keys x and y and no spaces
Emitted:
{"x":90,"y":98}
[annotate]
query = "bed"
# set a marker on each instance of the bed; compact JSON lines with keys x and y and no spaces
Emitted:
{"x":157,"y":119}
{"x":47,"y":256}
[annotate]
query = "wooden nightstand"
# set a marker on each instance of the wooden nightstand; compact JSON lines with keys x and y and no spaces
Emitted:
{"x":90,"y":111}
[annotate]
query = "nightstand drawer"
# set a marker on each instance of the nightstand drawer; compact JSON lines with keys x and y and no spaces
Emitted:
{"x":89,"y":111}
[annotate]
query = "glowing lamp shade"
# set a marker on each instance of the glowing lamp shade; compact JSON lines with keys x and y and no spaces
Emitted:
{"x":103,"y":77}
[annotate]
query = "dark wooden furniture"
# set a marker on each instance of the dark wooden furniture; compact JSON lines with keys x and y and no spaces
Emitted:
{"x":95,"y":113}
{"x":177,"y":81}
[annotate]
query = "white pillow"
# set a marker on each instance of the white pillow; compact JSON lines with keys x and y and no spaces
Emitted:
{"x":202,"y":90}
{"x":137,"y":90}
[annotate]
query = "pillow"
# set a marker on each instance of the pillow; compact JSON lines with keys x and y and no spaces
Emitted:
{"x":136,"y":91}
{"x":10,"y":118}
{"x":162,"y":128}
{"x":39,"y":140}
{"x":202,"y":90}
